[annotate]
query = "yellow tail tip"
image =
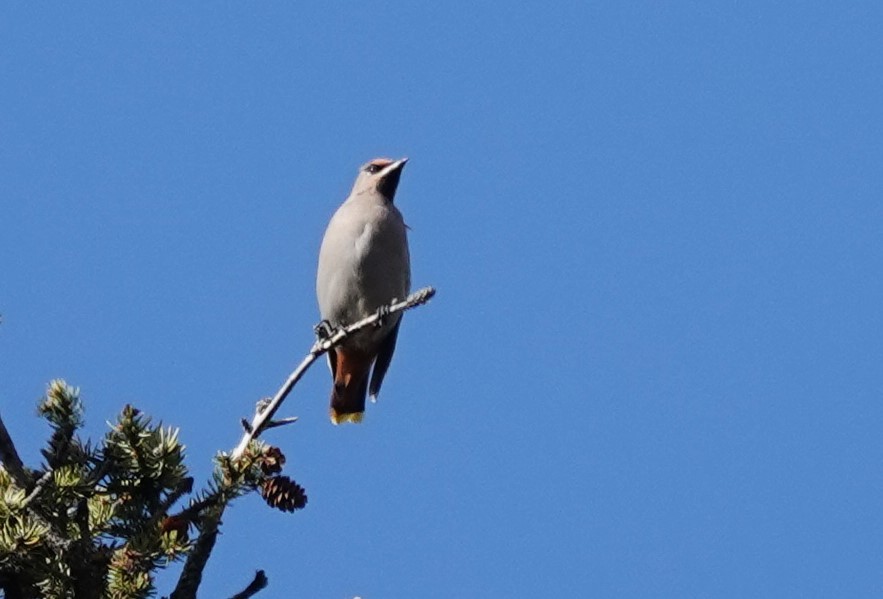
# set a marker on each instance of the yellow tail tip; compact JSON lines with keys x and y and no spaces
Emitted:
{"x":354,"y":417}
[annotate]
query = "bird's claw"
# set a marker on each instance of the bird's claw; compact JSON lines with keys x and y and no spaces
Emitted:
{"x":323,"y":330}
{"x":382,"y":313}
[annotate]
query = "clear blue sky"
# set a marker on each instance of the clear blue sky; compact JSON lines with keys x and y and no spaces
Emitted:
{"x":653,"y":367}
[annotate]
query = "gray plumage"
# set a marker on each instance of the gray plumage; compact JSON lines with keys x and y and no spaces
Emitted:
{"x":364,"y":264}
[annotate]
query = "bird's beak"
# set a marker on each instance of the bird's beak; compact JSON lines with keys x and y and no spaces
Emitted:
{"x":388,"y":178}
{"x":395,"y":166}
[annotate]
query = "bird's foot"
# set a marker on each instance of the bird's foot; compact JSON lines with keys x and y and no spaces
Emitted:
{"x":382,"y":313}
{"x":323,"y":330}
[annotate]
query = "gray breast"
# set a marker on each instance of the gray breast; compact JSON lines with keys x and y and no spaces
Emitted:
{"x":364,"y":261}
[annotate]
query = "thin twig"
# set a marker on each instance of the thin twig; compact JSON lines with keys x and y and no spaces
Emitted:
{"x":11,"y":460}
{"x":38,"y":488}
{"x":280,"y":422}
{"x":254,"y":587}
{"x":262,"y":417}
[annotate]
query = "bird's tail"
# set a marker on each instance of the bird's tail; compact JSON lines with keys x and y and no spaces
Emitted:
{"x":350,"y":387}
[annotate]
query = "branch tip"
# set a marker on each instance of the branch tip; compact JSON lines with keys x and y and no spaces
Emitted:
{"x":259,"y":583}
{"x":280,"y":422}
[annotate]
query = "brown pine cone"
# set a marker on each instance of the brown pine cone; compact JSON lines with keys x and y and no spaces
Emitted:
{"x":272,"y":461}
{"x":283,"y":494}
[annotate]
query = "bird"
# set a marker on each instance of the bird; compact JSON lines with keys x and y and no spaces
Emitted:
{"x":364,"y":264}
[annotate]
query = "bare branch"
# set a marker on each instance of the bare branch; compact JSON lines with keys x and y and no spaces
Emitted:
{"x":259,"y":583}
{"x":263,"y":416}
{"x":11,"y":461}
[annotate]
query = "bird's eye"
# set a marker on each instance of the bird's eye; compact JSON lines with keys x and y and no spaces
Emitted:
{"x":372,"y":168}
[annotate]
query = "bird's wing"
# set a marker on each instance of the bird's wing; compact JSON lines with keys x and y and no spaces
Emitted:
{"x":384,"y":357}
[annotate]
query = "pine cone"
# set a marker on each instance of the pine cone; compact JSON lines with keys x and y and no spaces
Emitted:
{"x":283,"y":494}
{"x":272,"y":460}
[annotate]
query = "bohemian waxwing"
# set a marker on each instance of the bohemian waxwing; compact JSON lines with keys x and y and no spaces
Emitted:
{"x":363,"y":264}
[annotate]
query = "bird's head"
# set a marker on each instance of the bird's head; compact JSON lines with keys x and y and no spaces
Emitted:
{"x":380,"y":175}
